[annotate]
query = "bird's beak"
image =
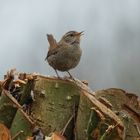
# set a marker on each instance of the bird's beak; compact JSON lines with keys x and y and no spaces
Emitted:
{"x":79,"y":33}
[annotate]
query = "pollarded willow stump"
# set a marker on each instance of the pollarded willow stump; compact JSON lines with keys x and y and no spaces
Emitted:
{"x":70,"y":108}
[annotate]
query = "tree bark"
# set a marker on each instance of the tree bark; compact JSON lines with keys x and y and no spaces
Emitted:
{"x":22,"y":126}
{"x":94,"y":118}
{"x":73,"y":110}
{"x":7,"y":108}
{"x":127,"y":107}
{"x":56,"y":102}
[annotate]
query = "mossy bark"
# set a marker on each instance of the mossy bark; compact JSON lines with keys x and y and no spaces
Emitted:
{"x":127,"y":108}
{"x":22,"y":125}
{"x":56,"y":102}
{"x":70,"y":108}
{"x":94,"y":118}
{"x":0,"y":91}
{"x":7,"y":108}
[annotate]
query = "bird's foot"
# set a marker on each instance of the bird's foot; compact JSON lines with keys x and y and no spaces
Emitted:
{"x":58,"y":75}
{"x":60,"y":78}
{"x":70,"y":76}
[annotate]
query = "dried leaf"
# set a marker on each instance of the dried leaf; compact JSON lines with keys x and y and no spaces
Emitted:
{"x":96,"y":134}
{"x":29,"y":138}
{"x":57,"y":136}
{"x":18,"y":81}
{"x":1,"y":82}
{"x":4,"y":133}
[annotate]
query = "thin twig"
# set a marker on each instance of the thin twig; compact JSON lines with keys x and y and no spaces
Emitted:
{"x":65,"y":127}
{"x":137,"y":127}
{"x":27,"y":117}
{"x":18,"y":106}
{"x":6,"y":92}
{"x":17,"y":134}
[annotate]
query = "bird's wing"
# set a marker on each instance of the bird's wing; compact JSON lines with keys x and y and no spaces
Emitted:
{"x":54,"y":46}
{"x":53,"y":52}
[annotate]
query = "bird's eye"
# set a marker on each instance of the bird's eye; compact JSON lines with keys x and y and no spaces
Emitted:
{"x":71,"y":35}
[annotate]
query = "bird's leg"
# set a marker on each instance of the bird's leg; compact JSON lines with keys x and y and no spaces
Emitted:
{"x":57,"y":73}
{"x":70,"y":75}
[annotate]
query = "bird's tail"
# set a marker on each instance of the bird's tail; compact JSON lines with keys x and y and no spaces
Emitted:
{"x":52,"y":41}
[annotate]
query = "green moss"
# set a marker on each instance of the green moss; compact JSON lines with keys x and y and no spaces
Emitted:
{"x":55,"y":104}
{"x":7,"y":111}
{"x":20,"y":123}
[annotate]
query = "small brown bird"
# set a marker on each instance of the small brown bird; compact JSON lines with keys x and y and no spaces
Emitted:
{"x":65,"y":54}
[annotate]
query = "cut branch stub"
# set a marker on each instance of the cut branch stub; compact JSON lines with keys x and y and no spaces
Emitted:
{"x":92,"y":123}
{"x":127,"y":107}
